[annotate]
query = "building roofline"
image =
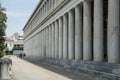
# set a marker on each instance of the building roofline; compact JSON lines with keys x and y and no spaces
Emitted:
{"x":8,"y":39}
{"x":32,"y":15}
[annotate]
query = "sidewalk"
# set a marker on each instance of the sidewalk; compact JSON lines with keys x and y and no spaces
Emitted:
{"x":24,"y":70}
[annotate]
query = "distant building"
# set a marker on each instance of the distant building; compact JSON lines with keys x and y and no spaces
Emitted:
{"x":18,"y":43}
{"x":9,"y":43}
{"x":14,"y":44}
{"x":15,"y":36}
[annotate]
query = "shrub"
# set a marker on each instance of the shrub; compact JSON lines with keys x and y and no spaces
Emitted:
{"x":2,"y":53}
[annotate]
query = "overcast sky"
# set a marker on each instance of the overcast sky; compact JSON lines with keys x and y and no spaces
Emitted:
{"x":18,"y":13}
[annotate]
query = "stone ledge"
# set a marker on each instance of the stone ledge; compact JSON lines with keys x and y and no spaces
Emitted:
{"x":5,"y":69}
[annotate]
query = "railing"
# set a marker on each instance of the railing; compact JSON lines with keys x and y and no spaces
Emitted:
{"x":17,"y":48}
{"x":6,"y":69}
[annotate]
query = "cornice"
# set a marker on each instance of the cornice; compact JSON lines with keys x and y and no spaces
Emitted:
{"x":33,"y":14}
{"x":46,"y":18}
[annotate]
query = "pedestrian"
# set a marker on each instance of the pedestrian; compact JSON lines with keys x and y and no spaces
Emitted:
{"x":24,"y":55}
{"x":20,"y":55}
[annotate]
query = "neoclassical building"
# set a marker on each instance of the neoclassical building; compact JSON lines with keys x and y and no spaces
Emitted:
{"x":75,"y":30}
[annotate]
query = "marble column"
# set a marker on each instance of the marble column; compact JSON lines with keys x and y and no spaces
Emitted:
{"x":47,"y":7}
{"x":36,"y":49}
{"x":51,"y":5}
{"x":113,"y":31}
{"x":43,"y":42}
{"x":32,"y":48}
{"x":40,"y":44}
{"x":49,"y":41}
{"x":56,"y":38}
{"x":43,"y":10}
{"x":53,"y":40}
{"x":36,"y":45}
{"x":55,"y":3}
{"x":46,"y":42}
{"x":60,"y":38}
{"x":71,"y":37}
{"x":78,"y":33}
{"x":65,"y":36}
{"x":45,"y":39}
{"x":41,"y":13}
{"x":87,"y":40}
{"x":98,"y":31}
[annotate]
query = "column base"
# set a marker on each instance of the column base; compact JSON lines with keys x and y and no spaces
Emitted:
{"x":100,"y":70}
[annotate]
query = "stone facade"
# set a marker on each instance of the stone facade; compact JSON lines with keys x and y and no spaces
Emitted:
{"x":75,"y":30}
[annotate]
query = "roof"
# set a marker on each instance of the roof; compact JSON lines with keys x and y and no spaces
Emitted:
{"x":8,"y":39}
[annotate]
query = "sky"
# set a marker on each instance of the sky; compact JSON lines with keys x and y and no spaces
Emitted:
{"x":18,"y":13}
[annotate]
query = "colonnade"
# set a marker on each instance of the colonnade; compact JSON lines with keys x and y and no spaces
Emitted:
{"x":70,"y":36}
{"x":46,"y":8}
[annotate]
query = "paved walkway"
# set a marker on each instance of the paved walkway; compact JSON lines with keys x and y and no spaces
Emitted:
{"x":24,"y":70}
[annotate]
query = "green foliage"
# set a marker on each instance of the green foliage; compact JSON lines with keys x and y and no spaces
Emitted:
{"x":2,"y":53}
{"x":3,"y":19}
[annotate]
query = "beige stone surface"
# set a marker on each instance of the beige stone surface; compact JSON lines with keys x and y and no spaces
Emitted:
{"x":24,"y":70}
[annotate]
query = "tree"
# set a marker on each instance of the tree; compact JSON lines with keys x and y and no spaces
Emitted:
{"x":3,"y":19}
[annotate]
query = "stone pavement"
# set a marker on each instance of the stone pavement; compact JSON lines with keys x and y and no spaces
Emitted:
{"x":23,"y":70}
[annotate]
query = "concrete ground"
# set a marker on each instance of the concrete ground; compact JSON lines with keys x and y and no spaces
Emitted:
{"x":24,"y":70}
